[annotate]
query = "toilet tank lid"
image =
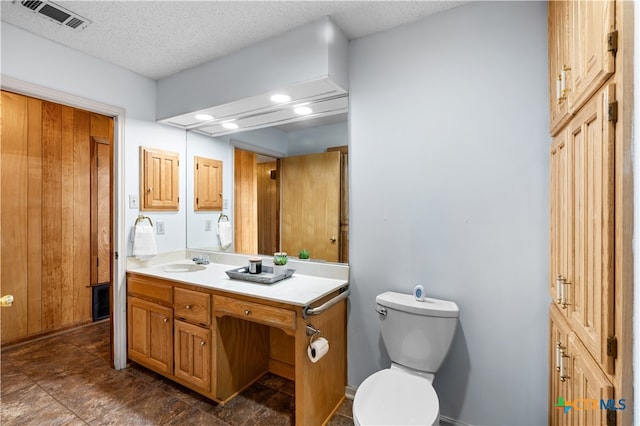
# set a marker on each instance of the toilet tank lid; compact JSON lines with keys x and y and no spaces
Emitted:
{"x":407,"y":303}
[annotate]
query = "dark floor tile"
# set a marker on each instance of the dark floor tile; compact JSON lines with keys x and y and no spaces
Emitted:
{"x":346,"y":408}
{"x":32,"y":405}
{"x":67,"y":379}
{"x":13,"y":381}
{"x":196,"y":417}
{"x":279,"y":410}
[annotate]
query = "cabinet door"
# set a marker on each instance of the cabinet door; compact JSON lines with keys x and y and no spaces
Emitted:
{"x":588,"y":385}
{"x":150,"y":330}
{"x":559,"y":60}
{"x":193,"y":354}
{"x":592,"y":62}
{"x":207,"y":184}
{"x":590,"y":294}
{"x":561,"y":220}
{"x":159,"y":171}
{"x":558,"y":361}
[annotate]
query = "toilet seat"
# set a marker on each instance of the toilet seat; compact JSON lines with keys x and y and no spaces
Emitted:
{"x":392,"y":397}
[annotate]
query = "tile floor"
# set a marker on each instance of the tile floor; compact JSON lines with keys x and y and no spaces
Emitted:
{"x":66,"y":380}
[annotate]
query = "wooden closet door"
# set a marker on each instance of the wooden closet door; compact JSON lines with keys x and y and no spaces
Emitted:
{"x":591,"y":308}
{"x":561,"y":219}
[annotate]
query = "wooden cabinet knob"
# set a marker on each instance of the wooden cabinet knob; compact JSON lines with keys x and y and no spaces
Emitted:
{"x":166,"y":320}
{"x":247,"y":312}
{"x":188,"y":307}
{"x":202,"y":343}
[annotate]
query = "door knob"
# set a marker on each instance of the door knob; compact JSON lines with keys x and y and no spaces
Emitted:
{"x":333,"y":239}
{"x":6,"y":300}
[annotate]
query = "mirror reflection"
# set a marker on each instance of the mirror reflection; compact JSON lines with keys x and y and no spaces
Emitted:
{"x":284,"y":188}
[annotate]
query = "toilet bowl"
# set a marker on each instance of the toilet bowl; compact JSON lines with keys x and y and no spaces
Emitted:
{"x":394,"y":397}
{"x":417,"y":335}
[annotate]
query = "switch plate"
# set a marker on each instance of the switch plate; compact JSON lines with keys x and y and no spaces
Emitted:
{"x":160,"y":225}
{"x":225,"y":203}
{"x":207,"y":225}
{"x":133,"y":201}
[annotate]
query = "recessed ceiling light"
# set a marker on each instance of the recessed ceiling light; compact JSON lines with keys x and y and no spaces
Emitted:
{"x":280,"y":98}
{"x":204,"y":117}
{"x":303,"y":110}
{"x":230,"y":126}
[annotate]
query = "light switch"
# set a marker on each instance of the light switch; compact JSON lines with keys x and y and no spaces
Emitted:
{"x":207,"y":225}
{"x":225,"y":203}
{"x":133,"y":201}
{"x":160,"y":225}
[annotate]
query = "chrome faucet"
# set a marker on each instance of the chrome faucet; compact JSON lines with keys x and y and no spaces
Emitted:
{"x":201,"y":260}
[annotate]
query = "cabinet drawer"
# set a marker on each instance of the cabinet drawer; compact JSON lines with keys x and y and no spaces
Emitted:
{"x":149,"y":288}
{"x":192,"y":306}
{"x":268,"y":315}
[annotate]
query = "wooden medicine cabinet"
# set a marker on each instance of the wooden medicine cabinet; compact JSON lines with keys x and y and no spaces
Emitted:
{"x":159,"y":171}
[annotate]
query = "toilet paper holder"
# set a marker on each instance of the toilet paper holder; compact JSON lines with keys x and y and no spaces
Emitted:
{"x":312,"y":332}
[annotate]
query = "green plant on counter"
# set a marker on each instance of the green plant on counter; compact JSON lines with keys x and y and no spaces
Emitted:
{"x":280,"y":258}
{"x":303,"y":254}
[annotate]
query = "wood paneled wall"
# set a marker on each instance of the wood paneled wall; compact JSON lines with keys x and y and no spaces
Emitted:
{"x":246,"y":202}
{"x":45,"y":196}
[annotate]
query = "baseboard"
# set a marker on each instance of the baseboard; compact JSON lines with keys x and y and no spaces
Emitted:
{"x":350,"y":391}
{"x":448,"y":421}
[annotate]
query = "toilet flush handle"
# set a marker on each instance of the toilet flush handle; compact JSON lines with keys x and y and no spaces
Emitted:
{"x":381,"y":310}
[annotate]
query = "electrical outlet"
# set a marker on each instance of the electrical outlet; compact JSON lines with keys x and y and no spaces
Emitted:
{"x":133,"y":201}
{"x":207,"y":225}
{"x":160,"y":227}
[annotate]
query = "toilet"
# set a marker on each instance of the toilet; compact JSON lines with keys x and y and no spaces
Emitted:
{"x":417,"y":335}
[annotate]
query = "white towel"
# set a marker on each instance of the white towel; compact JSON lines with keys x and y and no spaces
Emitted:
{"x":144,"y":241}
{"x":225,"y":235}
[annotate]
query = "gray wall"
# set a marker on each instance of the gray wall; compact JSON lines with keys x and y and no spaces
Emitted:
{"x":449,"y":189}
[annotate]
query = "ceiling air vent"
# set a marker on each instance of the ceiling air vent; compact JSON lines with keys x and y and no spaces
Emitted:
{"x":57,"y":14}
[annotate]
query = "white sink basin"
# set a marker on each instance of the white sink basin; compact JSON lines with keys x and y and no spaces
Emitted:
{"x":184,"y":267}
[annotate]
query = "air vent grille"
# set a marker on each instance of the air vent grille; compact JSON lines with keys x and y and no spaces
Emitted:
{"x":33,"y":5}
{"x":56,"y":13}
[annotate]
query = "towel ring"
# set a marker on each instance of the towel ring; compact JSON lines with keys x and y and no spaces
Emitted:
{"x":141,"y":218}
{"x":223,"y":216}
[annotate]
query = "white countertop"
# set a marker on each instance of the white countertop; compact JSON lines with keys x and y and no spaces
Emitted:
{"x":299,"y":290}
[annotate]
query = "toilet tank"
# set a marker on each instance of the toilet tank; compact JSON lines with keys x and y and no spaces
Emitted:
{"x":417,"y":334}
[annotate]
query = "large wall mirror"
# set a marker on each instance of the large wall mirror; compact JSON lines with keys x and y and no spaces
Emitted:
{"x":284,"y":189}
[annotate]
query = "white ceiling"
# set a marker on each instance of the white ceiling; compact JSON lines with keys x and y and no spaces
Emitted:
{"x":159,"y":38}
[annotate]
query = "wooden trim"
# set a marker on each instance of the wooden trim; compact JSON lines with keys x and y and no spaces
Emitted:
{"x":282,"y":369}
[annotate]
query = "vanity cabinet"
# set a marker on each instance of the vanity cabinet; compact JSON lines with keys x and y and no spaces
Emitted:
{"x":218,"y":343}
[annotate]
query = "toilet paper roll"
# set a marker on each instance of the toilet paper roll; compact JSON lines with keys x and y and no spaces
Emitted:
{"x":317,"y":349}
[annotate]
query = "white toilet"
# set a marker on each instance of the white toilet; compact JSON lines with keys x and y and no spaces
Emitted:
{"x":417,"y":335}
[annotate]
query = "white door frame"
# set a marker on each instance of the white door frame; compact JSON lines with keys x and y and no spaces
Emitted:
{"x":119,"y":236}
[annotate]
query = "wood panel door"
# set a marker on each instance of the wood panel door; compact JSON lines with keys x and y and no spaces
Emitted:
{"x":592,"y":58}
{"x":310,"y":191}
{"x":559,"y":372}
{"x":207,"y":184}
{"x":49,"y":234}
{"x":150,"y":334}
{"x":192,"y":347}
{"x":559,"y":61}
{"x":591,"y":297}
{"x":159,"y":180}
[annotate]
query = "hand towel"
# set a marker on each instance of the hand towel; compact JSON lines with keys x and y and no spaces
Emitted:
{"x":225,"y":235}
{"x":144,"y":241}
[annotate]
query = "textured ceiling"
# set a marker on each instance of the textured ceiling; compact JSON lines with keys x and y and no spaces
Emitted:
{"x":159,"y":38}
